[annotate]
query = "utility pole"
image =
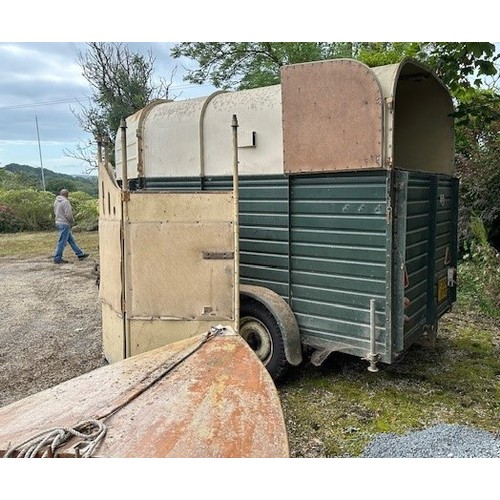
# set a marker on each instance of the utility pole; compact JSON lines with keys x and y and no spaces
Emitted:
{"x":40,"y":152}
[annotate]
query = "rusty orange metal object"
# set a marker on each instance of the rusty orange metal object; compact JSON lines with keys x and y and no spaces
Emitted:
{"x":193,"y":398}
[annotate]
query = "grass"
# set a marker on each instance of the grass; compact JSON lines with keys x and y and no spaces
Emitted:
{"x":335,"y":410}
{"x":340,"y":406}
{"x":36,"y":244}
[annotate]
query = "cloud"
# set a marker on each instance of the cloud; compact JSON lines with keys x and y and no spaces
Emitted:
{"x":39,"y":79}
{"x":44,"y":79}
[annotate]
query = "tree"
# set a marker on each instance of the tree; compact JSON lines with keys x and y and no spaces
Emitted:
{"x":469,"y":70}
{"x":55,"y":184}
{"x":478,"y":166}
{"x":243,"y":65}
{"x":121,"y":83}
{"x":382,"y":53}
{"x":17,"y":180}
{"x":464,"y":68}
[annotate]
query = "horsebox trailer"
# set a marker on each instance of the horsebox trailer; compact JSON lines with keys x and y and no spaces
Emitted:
{"x":314,"y":216}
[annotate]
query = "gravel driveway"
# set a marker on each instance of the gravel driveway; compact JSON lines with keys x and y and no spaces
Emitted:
{"x":50,"y":324}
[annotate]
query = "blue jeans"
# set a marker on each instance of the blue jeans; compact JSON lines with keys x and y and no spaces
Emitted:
{"x":65,"y":236}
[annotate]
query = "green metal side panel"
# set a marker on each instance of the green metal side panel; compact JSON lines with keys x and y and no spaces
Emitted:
{"x":430,"y":249}
{"x":338,"y":259}
{"x":420,"y":225}
{"x":329,"y":243}
{"x":264,"y":234}
{"x":264,"y":230}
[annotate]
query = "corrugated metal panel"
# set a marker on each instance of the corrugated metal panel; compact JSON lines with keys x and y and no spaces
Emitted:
{"x":338,"y":257}
{"x":430,"y":248}
{"x":264,"y":233}
{"x":417,"y":251}
{"x":445,"y":254}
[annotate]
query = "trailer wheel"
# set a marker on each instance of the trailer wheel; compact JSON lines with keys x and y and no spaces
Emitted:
{"x":261,"y":331}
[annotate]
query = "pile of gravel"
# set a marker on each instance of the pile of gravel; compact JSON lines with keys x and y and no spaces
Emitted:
{"x":440,"y":441}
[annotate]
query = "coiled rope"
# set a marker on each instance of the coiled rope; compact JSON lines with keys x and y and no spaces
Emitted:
{"x":92,"y":432}
{"x":46,"y":443}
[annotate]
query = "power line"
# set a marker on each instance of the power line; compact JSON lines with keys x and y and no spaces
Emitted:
{"x":41,"y":103}
{"x":76,"y":99}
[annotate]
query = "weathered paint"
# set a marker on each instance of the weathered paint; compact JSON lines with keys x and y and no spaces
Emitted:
{"x":353,"y":206}
{"x":418,"y":118}
{"x":430,"y":248}
{"x":338,"y":258}
{"x":328,"y":243}
{"x":156,"y":144}
{"x":332,"y":117}
{"x":111,"y":288}
{"x":218,"y":402}
{"x":325,"y":116}
{"x":154,"y":270}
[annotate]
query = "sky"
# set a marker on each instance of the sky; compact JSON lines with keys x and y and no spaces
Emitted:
{"x":41,"y":81}
{"x":41,"y":86}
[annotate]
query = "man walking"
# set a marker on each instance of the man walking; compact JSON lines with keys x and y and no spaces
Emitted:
{"x":64,"y":221}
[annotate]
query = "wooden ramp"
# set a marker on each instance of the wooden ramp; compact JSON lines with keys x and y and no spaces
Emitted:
{"x":203,"y":397}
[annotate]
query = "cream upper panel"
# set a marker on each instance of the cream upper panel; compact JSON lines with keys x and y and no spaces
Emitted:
{"x":260,"y":137}
{"x":193,"y":137}
{"x":170,"y":139}
{"x":339,"y":115}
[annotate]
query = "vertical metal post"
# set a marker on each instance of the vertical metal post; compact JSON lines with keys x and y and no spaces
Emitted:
{"x":125,"y":240}
{"x":372,"y":357}
{"x":99,"y":149}
{"x":40,"y":152}
{"x":236,"y":226}
{"x":123,"y":129}
{"x":106,"y":150}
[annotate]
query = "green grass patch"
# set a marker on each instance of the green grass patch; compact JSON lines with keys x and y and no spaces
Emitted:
{"x":42,"y":244}
{"x":336,"y":409}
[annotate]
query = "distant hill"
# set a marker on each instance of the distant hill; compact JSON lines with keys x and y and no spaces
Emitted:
{"x":54,"y":181}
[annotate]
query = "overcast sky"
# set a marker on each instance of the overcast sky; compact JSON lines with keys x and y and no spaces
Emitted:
{"x":43,"y":80}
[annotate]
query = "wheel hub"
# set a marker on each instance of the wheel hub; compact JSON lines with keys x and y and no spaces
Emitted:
{"x":257,"y":337}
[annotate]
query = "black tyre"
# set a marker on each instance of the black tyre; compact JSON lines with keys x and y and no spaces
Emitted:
{"x":261,"y":331}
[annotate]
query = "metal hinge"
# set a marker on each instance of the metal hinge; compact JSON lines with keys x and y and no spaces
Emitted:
{"x":217,"y":255}
{"x":125,"y":195}
{"x":390,"y":102}
{"x":389,"y":214}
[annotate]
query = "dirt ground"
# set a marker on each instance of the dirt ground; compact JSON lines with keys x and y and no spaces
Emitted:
{"x":50,"y":324}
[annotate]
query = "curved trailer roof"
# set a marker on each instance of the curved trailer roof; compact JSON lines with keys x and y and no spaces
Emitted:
{"x":334,"y":115}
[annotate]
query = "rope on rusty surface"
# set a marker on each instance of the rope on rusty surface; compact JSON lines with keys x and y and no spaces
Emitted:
{"x":46,"y":443}
{"x":216,"y":330}
{"x":91,"y":432}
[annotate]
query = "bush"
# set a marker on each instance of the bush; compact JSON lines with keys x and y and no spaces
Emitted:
{"x":9,"y":222}
{"x":33,"y":209}
{"x":85,"y":210}
{"x":479,"y":272}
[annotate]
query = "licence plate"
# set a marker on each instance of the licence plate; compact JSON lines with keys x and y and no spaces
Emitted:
{"x":442,"y":289}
